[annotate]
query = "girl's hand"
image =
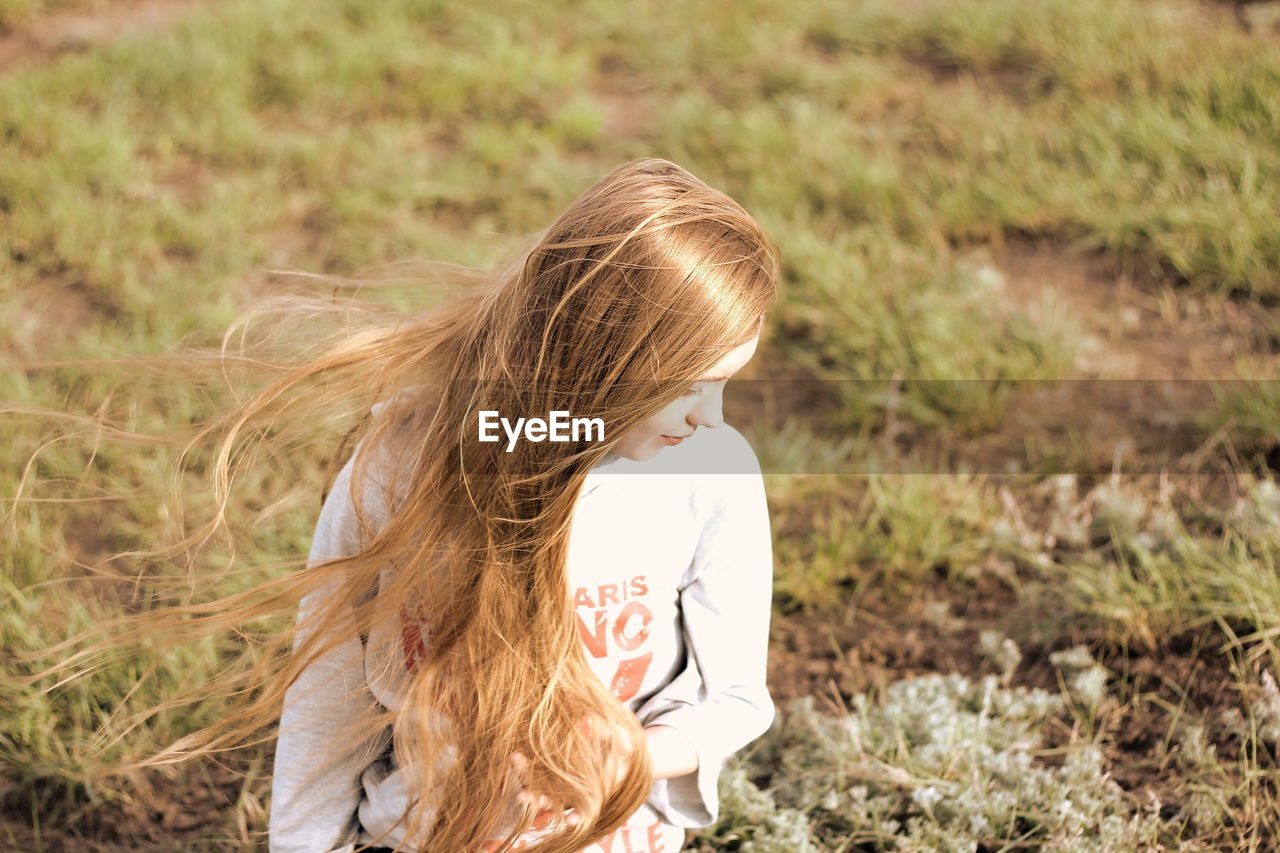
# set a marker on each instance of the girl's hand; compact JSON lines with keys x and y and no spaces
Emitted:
{"x":671,"y":753}
{"x":546,"y":811}
{"x":619,"y":761}
{"x":620,"y":758}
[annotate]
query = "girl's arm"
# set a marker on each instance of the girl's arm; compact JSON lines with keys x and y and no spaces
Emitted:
{"x":320,"y":755}
{"x":719,"y":702}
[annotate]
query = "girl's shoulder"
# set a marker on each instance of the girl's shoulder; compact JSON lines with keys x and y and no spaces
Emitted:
{"x":724,"y":450}
{"x":711,"y":451}
{"x":374,"y":475}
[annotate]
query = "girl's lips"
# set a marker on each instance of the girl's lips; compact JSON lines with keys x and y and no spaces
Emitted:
{"x":673,"y":439}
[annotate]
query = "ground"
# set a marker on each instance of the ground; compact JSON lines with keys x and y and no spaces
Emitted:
{"x":1134,"y":327}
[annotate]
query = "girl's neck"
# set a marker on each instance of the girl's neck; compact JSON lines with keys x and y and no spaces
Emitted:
{"x":608,"y":459}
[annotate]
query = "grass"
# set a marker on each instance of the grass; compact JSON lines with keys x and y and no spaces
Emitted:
{"x":888,"y":148}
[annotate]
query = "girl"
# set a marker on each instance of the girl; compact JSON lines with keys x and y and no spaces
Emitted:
{"x":533,"y":643}
{"x":549,"y":638}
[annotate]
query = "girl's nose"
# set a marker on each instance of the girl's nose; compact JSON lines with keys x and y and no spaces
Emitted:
{"x":709,"y":412}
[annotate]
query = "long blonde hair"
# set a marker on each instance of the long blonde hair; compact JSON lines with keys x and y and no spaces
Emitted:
{"x":641,"y":285}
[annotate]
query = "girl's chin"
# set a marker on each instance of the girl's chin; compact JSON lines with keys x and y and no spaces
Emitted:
{"x":643,"y":452}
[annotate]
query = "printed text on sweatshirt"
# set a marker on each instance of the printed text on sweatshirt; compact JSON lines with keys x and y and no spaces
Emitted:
{"x":670,"y":574}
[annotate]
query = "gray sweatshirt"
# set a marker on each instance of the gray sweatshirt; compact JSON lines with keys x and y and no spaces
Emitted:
{"x":671,"y":574}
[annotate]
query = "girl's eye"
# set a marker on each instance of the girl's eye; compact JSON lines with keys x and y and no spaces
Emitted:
{"x":694,"y":391}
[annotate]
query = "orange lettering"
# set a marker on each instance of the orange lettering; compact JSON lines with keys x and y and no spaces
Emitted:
{"x":581,"y":599}
{"x":609,"y":594}
{"x":626,"y":681}
{"x":655,"y":838}
{"x":633,"y":641}
{"x":595,"y":643}
{"x":638,"y":586}
{"x":411,"y":639}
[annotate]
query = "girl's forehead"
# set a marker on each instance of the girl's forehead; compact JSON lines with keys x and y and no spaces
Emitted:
{"x":733,"y":361}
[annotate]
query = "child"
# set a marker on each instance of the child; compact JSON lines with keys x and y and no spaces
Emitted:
{"x":552,"y":639}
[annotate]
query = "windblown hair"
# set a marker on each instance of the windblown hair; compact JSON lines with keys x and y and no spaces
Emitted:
{"x":643,"y":283}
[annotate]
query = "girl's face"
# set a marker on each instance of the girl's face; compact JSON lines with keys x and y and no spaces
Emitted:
{"x":700,"y":406}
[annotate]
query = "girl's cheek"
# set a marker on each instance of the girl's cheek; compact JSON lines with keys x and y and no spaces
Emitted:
{"x":678,"y":417}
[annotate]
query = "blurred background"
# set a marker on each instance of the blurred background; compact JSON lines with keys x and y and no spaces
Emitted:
{"x":1017,"y":407}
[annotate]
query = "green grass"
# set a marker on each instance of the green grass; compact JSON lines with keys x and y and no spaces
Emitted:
{"x":893,"y":532}
{"x":887,"y":147}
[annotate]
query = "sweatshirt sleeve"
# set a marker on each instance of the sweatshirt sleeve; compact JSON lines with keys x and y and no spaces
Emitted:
{"x":720,"y":701}
{"x":315,"y":788}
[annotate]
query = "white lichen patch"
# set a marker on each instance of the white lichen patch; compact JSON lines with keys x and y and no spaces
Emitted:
{"x":1086,"y":678}
{"x":1002,"y":651}
{"x":1267,"y":710}
{"x":936,"y":763}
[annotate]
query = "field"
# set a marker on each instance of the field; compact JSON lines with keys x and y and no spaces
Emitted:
{"x":1017,"y":407}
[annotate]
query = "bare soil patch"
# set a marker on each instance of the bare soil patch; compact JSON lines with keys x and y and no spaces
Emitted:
{"x":47,"y":318}
{"x":623,"y":96}
{"x":1259,"y":17}
{"x":1135,"y":325}
{"x":197,"y":811}
{"x":49,"y":36}
{"x":1151,"y":359}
